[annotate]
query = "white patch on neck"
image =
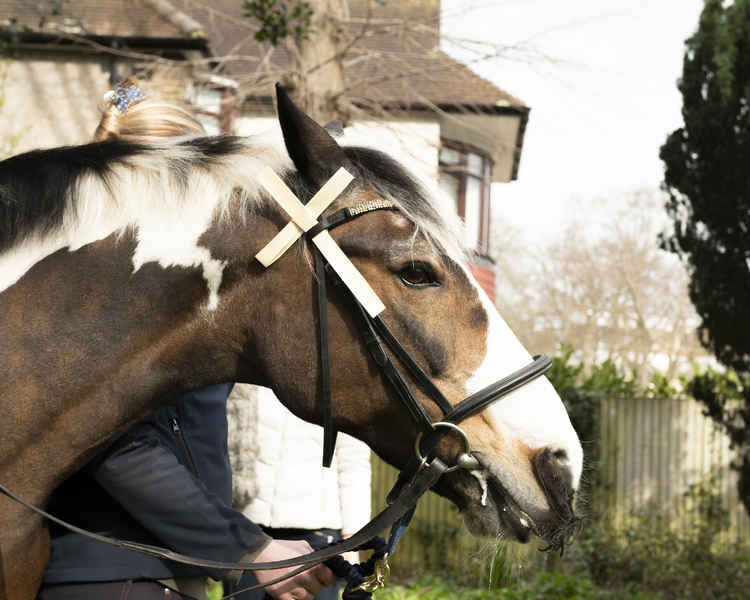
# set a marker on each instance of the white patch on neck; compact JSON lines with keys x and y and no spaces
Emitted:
{"x":142,"y":196}
{"x":534,"y":413}
{"x":170,"y":238}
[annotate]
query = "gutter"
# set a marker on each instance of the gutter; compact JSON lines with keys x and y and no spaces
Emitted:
{"x":16,"y":38}
{"x":524,"y":114}
{"x":452,"y":108}
{"x":521,"y":111}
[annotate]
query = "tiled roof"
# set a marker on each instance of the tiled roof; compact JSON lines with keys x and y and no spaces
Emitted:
{"x":127,"y":18}
{"x":403,"y":70}
{"x":400,"y":70}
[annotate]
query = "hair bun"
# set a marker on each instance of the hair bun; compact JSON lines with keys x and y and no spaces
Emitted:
{"x":128,"y":114}
{"x":124,"y":95}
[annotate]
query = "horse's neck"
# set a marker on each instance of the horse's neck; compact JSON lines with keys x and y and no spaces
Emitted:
{"x":92,"y":344}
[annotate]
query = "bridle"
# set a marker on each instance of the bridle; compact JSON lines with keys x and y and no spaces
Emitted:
{"x":375,"y":336}
{"x":414,"y":480}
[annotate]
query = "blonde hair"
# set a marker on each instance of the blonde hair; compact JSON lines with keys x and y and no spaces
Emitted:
{"x":145,"y":120}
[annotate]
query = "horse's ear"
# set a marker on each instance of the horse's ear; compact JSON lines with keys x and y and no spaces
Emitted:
{"x":313,"y":151}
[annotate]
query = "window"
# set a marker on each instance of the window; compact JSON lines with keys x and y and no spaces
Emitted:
{"x":465,"y":175}
{"x":211,"y":105}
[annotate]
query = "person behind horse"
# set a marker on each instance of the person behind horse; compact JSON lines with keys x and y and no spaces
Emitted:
{"x":167,"y":481}
{"x":278,"y":481}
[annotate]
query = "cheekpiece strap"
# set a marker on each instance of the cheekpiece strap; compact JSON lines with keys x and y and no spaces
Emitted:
{"x":324,"y":382}
{"x":324,"y":387}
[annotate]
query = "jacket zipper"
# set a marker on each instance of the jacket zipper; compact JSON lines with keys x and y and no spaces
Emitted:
{"x":182,"y":443}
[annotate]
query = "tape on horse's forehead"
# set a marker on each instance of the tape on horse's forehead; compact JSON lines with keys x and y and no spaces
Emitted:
{"x":305,"y":217}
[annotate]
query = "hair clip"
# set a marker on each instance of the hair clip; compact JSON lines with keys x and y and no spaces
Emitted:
{"x":124,"y":95}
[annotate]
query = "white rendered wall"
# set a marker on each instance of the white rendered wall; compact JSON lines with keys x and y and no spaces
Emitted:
{"x":413,"y":143}
{"x":51,"y":99}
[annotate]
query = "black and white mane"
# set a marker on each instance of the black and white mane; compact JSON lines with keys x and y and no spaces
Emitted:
{"x":71,"y":196}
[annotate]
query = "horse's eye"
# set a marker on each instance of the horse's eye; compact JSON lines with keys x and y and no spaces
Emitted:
{"x":418,"y":275}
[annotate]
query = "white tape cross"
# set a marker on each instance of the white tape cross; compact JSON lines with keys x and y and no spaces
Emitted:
{"x":305,"y":217}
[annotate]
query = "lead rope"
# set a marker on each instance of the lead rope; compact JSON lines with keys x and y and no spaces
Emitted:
{"x":423,"y":480}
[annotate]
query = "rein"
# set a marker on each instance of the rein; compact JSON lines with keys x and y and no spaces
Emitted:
{"x":419,"y":475}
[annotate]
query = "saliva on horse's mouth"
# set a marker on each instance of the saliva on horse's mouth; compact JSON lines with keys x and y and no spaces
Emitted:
{"x":515,"y":521}
{"x":513,"y":518}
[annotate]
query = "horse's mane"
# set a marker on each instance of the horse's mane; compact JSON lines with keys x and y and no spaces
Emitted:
{"x":43,"y":191}
{"x":66,"y":197}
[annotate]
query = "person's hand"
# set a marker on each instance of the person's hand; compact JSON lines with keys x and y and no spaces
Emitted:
{"x":300,"y":587}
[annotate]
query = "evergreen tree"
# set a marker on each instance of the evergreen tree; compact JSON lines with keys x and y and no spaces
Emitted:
{"x":707,"y":177}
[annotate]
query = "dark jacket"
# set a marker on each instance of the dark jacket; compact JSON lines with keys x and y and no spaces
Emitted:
{"x":166,"y":482}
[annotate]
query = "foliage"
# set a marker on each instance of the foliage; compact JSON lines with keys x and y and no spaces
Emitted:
{"x":433,"y":537}
{"x":547,"y":586}
{"x":279,"y":19}
{"x":641,"y":559}
{"x":645,"y":554}
{"x":214,"y":590}
{"x":726,"y":397}
{"x":497,"y":563}
{"x":583,"y":391}
{"x":708,"y":183}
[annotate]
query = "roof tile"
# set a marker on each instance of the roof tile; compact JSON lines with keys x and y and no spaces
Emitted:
{"x":127,"y":18}
{"x":387,"y":69}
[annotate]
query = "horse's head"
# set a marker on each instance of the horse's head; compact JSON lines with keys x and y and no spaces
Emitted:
{"x":529,"y":456}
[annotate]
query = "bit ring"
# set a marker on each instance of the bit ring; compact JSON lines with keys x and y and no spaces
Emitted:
{"x":466,"y":452}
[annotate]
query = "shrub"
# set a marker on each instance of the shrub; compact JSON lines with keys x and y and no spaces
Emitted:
{"x":646,"y":554}
{"x":547,"y":586}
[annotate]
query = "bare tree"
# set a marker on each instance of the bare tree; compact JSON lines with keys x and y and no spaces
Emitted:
{"x":341,"y":58}
{"x":607,"y":290}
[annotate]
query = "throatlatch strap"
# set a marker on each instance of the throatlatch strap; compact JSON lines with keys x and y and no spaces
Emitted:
{"x":324,"y":381}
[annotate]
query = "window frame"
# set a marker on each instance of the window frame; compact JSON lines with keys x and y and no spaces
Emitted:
{"x":461,"y":172}
{"x":225,"y":115}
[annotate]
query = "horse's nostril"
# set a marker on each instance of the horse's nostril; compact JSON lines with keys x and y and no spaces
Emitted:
{"x":553,"y":473}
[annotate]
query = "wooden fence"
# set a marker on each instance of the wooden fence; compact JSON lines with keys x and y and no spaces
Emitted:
{"x":653,"y":451}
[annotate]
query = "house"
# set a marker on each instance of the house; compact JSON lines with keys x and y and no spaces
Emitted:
{"x":62,"y":57}
{"x":447,"y":124}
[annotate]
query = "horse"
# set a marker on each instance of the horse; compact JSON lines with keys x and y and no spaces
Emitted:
{"x":127,"y":278}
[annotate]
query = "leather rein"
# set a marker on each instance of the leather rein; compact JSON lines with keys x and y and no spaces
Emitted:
{"x":419,"y":475}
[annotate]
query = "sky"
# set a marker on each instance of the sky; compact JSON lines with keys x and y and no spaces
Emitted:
{"x":600,"y":78}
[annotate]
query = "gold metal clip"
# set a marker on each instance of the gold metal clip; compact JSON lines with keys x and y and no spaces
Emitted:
{"x":376,"y":581}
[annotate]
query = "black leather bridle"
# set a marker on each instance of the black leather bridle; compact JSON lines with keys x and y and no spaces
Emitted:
{"x":419,"y":475}
{"x":375,"y":334}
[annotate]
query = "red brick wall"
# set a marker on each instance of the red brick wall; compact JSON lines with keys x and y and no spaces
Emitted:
{"x":486,"y":278}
